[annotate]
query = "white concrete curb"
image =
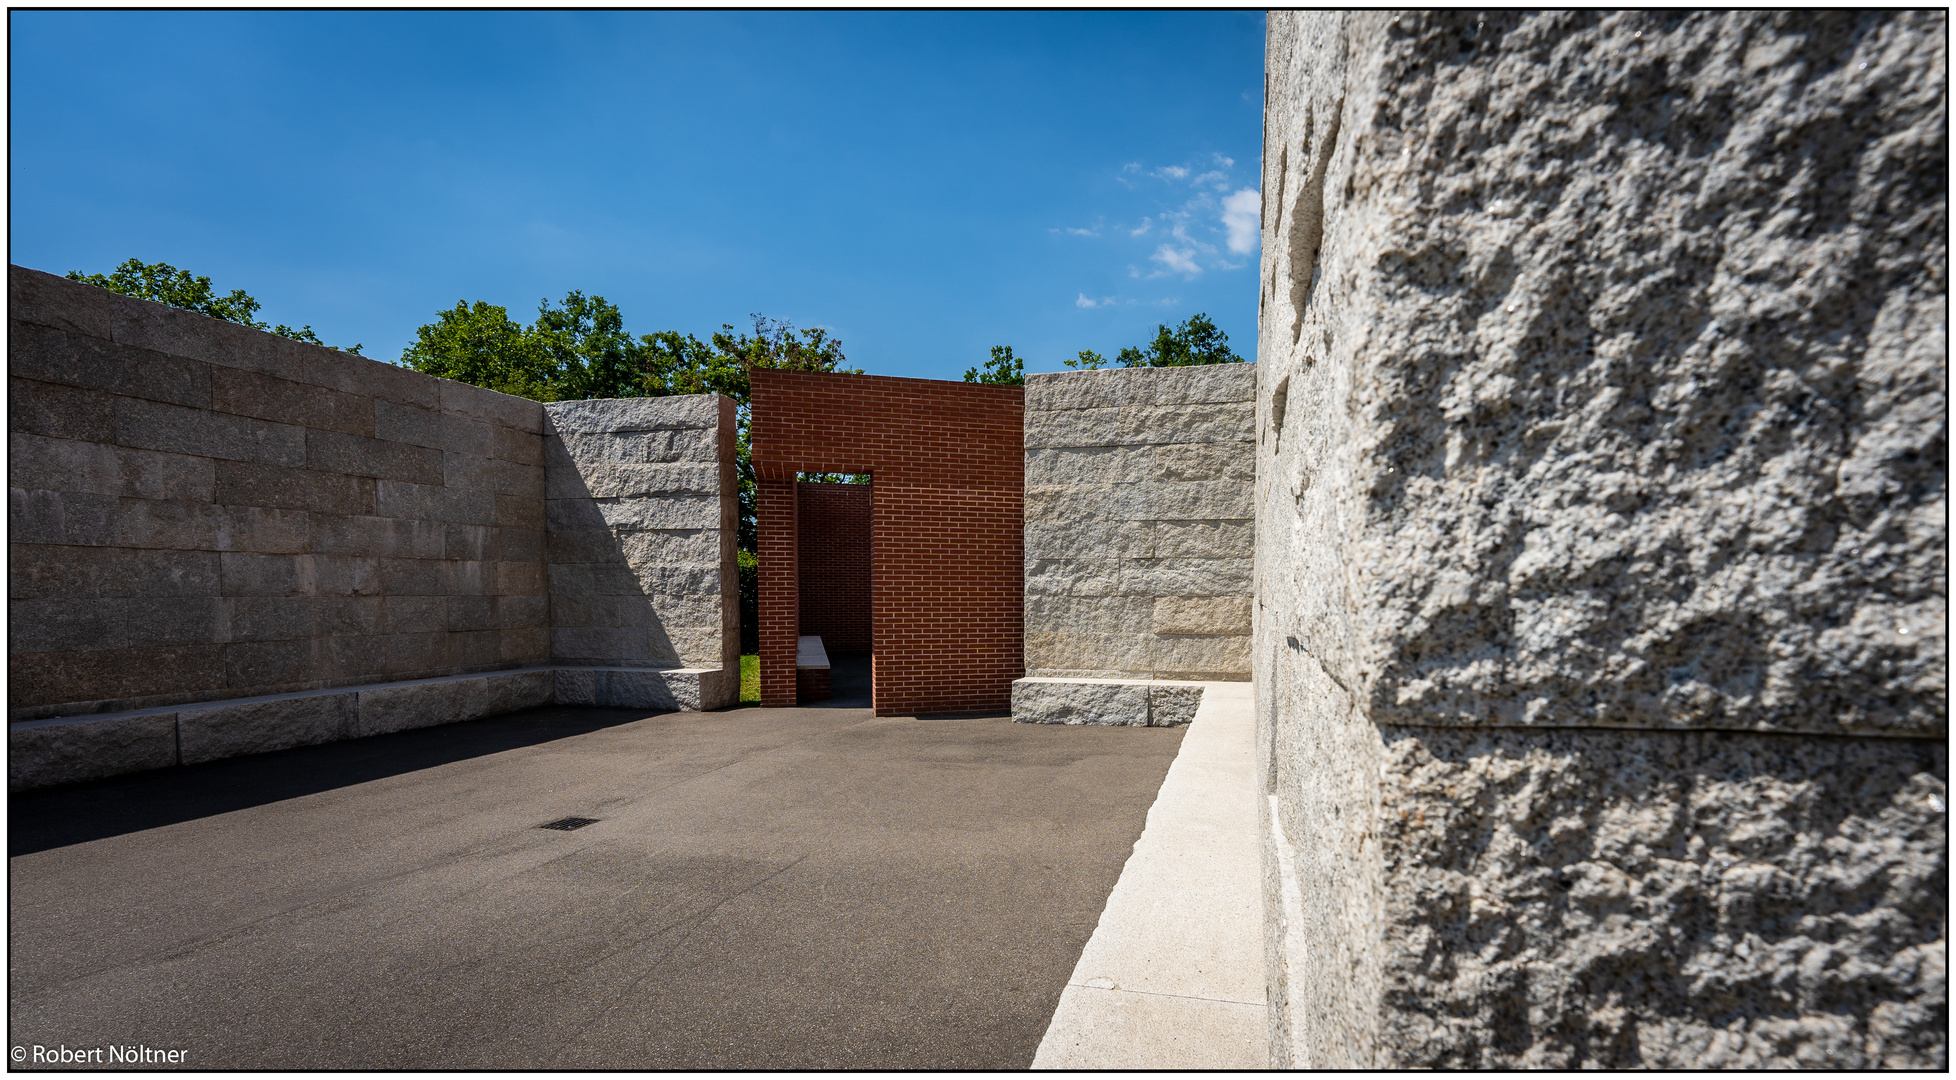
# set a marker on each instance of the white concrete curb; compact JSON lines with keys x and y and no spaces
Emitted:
{"x":1173,"y":975}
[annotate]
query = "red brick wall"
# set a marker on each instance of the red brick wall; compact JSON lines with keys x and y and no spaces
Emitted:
{"x":947,"y":514}
{"x":834,"y":564}
{"x":780,"y":599}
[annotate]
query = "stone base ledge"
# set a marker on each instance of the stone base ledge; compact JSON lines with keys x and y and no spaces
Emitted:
{"x":69,"y":749}
{"x":672,"y":689}
{"x":1118,"y":702}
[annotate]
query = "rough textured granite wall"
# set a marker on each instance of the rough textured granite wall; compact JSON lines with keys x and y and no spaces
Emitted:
{"x":200,"y":510}
{"x":1600,"y":538}
{"x":641,"y":542}
{"x":1690,"y":900}
{"x":1138,"y":530}
{"x":226,"y":542}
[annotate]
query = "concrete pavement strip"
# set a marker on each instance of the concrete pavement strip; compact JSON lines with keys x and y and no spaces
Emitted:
{"x":1172,"y":977}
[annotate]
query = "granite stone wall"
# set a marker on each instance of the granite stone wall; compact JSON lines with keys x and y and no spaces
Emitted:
{"x":223,"y":541}
{"x":200,"y":510}
{"x":1138,"y":523}
{"x":1138,"y":541}
{"x":1601,"y":524}
{"x":641,"y":541}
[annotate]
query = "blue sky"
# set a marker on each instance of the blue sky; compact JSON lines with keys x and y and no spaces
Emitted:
{"x":925,"y":185}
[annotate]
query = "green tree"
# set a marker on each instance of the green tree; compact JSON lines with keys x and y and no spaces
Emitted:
{"x":723,"y":368}
{"x":166,"y":284}
{"x":574,"y":351}
{"x":480,"y":344}
{"x":585,"y":349}
{"x":1003,"y":369}
{"x":1197,"y":341}
{"x":676,"y":363}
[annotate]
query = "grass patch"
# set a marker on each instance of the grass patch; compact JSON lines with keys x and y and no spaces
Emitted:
{"x":750,"y":679}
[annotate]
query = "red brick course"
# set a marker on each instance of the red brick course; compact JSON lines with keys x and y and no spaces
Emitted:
{"x":780,"y":600}
{"x":947,"y":516}
{"x":834,"y":564}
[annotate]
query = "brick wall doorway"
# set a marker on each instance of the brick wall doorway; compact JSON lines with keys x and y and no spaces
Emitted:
{"x":833,"y":560}
{"x":947,"y":513}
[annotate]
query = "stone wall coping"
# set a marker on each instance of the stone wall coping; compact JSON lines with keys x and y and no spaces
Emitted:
{"x":1061,"y":391}
{"x":68,"y":749}
{"x":1119,"y":702}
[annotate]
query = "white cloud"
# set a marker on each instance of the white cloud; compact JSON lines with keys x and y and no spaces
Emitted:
{"x":1177,"y":261}
{"x":1089,"y":302}
{"x":1241,"y":216}
{"x":1194,"y":228}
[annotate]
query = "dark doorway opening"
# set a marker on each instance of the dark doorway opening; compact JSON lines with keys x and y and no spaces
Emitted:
{"x":849,"y":682}
{"x":833,"y":555}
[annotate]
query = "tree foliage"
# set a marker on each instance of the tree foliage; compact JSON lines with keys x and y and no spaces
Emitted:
{"x":574,"y":351}
{"x":583,"y":347}
{"x":478,"y":344}
{"x":579,"y":349}
{"x":1197,"y":341}
{"x":166,"y":284}
{"x":1003,"y":369}
{"x":776,"y":344}
{"x":685,"y":366}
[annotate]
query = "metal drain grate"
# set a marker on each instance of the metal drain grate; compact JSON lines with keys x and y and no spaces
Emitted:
{"x":566,"y":824}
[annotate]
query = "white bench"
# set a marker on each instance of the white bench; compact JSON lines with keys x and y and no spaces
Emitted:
{"x":811,"y":669}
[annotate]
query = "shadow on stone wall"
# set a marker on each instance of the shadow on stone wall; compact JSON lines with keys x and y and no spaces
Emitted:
{"x":640,"y":515}
{"x":600,"y":610}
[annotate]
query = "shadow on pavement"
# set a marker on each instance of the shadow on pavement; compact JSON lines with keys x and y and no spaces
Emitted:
{"x":849,"y":682}
{"x":74,"y":814}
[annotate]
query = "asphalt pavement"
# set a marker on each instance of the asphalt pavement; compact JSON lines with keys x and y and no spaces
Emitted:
{"x":762,"y":888}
